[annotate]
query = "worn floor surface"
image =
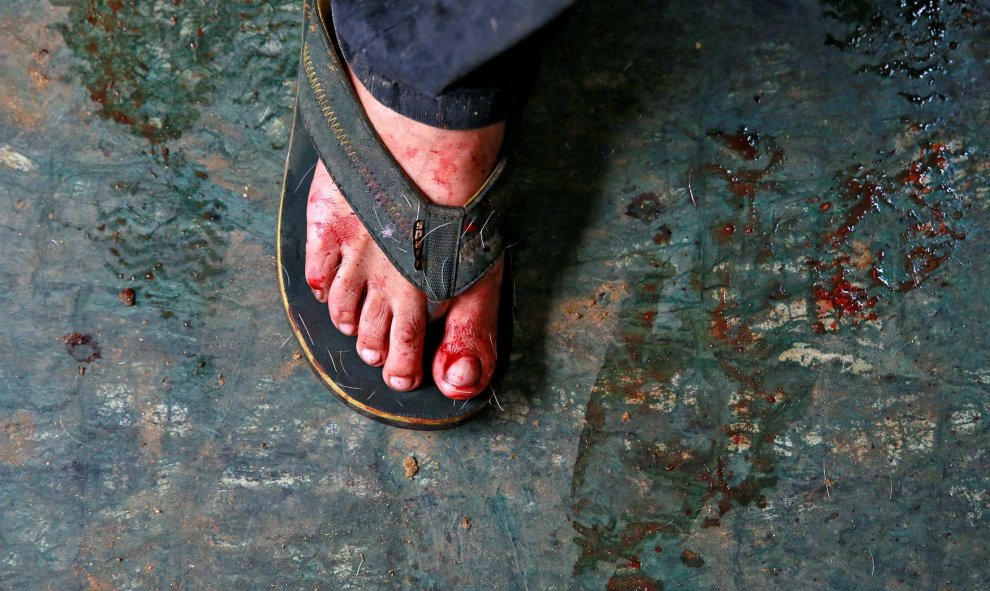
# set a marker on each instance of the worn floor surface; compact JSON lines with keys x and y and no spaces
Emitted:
{"x":752,"y":302}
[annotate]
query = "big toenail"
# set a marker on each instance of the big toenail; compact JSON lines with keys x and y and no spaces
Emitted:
{"x":401,"y":383}
{"x":371,"y":357}
{"x":348,"y":329}
{"x":463,"y":372}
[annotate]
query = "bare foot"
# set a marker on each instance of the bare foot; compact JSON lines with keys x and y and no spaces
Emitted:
{"x":367,"y":297}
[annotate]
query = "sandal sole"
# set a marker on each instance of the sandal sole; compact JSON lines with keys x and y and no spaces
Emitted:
{"x":331,"y":354}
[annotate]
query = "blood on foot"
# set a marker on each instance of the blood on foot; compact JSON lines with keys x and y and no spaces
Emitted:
{"x":463,"y":343}
{"x":453,"y":350}
{"x":340,"y":230}
{"x":444,"y":172}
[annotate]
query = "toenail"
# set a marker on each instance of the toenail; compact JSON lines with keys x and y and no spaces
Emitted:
{"x":463,"y":372}
{"x":348,"y":329}
{"x":319,"y":295}
{"x":400,"y":383}
{"x":371,"y":357}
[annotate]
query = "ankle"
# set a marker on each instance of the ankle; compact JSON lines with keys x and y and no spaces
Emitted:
{"x":448,"y":166}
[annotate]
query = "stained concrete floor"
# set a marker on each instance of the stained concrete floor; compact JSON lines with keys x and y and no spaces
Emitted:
{"x":751,"y":285}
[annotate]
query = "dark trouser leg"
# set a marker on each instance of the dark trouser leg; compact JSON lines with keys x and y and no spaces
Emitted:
{"x":455,"y":64}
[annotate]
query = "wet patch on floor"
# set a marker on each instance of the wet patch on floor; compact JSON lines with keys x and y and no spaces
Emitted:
{"x":693,"y":417}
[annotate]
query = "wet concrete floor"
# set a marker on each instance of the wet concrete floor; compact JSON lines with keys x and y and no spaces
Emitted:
{"x":752,"y":297}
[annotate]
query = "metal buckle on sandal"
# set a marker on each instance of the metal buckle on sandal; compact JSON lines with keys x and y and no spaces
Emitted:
{"x":419,"y":231}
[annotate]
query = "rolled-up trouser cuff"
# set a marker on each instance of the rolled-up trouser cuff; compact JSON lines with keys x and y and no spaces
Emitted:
{"x":468,"y":106}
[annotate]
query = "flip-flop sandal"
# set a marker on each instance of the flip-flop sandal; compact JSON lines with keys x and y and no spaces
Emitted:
{"x":441,"y":250}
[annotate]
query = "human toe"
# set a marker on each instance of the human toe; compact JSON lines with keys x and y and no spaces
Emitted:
{"x":345,"y":298}
{"x":376,"y":316}
{"x":404,"y":365}
{"x":465,"y":362}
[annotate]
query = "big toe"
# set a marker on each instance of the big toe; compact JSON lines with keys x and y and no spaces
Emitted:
{"x":465,"y":361}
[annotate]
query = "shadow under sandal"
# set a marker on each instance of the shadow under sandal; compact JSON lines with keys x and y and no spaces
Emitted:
{"x":441,"y":250}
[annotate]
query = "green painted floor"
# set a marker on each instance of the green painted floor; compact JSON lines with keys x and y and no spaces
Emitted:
{"x":751,"y":289}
